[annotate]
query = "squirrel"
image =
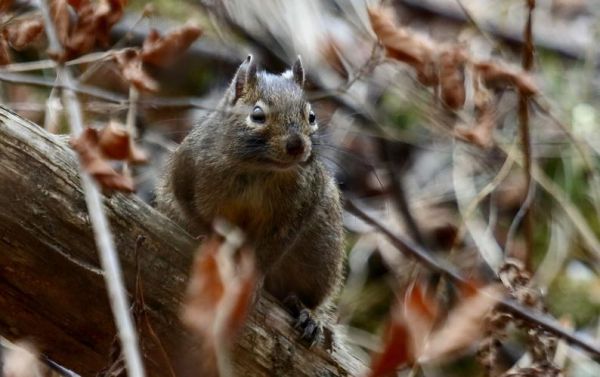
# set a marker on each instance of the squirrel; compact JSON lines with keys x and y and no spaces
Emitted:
{"x":251,"y":162}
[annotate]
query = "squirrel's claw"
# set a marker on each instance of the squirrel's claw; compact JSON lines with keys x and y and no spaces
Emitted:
{"x":312,"y":330}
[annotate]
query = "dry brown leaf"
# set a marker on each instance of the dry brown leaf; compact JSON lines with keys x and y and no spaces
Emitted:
{"x":59,"y":11}
{"x":407,"y":332}
{"x":162,"y":51}
{"x":452,"y":77}
{"x":402,"y":45}
{"x":396,"y":350}
{"x":78,"y":4}
{"x":497,"y":75}
{"x":219,"y":293}
{"x":241,"y":298}
{"x":95,"y":163}
{"x":464,"y":325}
{"x":22,"y":34}
{"x":132,"y":69}
{"x":4,"y":54}
{"x":116,"y":144}
{"x":421,"y":312}
{"x":107,"y":14}
{"x":21,"y":360}
{"x":5,"y":5}
{"x":482,"y":133}
{"x":330,"y":51}
{"x":205,"y":289}
{"x":82,"y":37}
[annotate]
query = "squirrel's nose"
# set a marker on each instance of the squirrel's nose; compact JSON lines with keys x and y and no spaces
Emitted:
{"x":294,"y":145}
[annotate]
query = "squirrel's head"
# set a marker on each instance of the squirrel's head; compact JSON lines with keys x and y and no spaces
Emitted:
{"x":272,"y":122}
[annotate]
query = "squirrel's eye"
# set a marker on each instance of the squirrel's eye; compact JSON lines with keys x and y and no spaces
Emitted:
{"x":312,"y":117}
{"x":258,"y":115}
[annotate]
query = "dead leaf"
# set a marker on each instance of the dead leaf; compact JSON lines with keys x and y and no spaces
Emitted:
{"x":405,"y":46}
{"x":4,"y":54}
{"x":220,"y":292}
{"x":95,"y":163}
{"x":421,"y":312}
{"x":241,"y":298}
{"x":396,"y":350}
{"x":496,"y":75}
{"x":482,"y":132}
{"x":78,"y":4}
{"x":5,"y":5}
{"x":452,"y":77}
{"x":132,"y":69}
{"x":22,"y":34}
{"x":162,"y":51}
{"x":464,"y":325}
{"x":82,"y":37}
{"x":205,"y":289}
{"x":59,"y":11}
{"x":107,"y":14}
{"x":410,"y":324}
{"x":330,"y":51}
{"x":116,"y":144}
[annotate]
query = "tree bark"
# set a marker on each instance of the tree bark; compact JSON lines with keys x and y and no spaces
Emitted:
{"x":52,"y":289}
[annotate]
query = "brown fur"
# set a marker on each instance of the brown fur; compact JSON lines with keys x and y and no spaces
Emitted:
{"x":224,"y":169}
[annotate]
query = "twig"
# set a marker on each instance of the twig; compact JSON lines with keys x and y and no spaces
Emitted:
{"x":48,"y":63}
{"x":155,"y":102}
{"x":425,"y":257}
{"x":104,"y":240}
{"x":399,"y":194}
{"x":525,"y":211}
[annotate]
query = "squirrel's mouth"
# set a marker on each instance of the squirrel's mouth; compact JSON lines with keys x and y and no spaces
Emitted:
{"x":280,"y":165}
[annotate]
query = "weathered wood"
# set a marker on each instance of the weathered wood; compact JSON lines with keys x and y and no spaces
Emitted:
{"x":52,"y":290}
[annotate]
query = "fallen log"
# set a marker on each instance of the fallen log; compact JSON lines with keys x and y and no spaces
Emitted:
{"x":52,"y":289}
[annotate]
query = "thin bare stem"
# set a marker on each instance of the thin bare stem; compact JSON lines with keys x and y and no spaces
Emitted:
{"x":525,"y":212}
{"x":103,"y":236}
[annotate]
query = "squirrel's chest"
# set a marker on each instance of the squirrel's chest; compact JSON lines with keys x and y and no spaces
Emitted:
{"x":252,"y":208}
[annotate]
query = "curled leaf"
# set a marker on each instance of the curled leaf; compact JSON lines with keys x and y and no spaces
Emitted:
{"x":93,"y":160}
{"x":4,"y":54}
{"x":82,"y":37}
{"x":22,"y":34}
{"x":497,"y":75}
{"x":402,"y":45}
{"x":107,"y":14}
{"x":116,"y":143}
{"x":5,"y":5}
{"x":396,"y":351}
{"x":162,"y":51}
{"x":132,"y":69}
{"x":452,"y":77}
{"x":59,"y":11}
{"x":482,"y":132}
{"x":330,"y":51}
{"x":219,"y":292}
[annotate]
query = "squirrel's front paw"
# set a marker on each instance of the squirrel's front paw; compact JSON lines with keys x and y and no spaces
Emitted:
{"x":312,"y":330}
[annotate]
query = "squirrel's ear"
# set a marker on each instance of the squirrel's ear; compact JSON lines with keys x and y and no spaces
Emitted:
{"x":298,"y":72}
{"x":245,"y":78}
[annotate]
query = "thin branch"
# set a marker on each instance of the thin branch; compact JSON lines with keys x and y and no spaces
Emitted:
{"x":525,"y":211}
{"x":103,"y":236}
{"x":155,"y":102}
{"x":411,"y":250}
